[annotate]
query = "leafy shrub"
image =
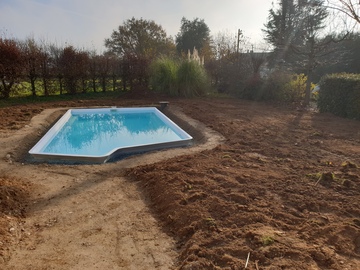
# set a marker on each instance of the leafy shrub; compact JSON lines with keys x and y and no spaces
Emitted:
{"x":283,"y":86}
{"x":253,"y":89}
{"x":294,"y":90}
{"x":280,"y":86}
{"x":340,"y":95}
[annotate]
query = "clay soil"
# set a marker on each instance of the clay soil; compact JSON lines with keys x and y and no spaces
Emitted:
{"x":280,"y":191}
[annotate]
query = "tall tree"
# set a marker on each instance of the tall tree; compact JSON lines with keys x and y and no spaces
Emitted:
{"x":32,"y":56}
{"x":103,"y":64}
{"x":83,"y":62}
{"x":313,"y":14}
{"x":303,"y":40}
{"x":53,"y":67}
{"x":346,"y":57}
{"x":11,"y":66}
{"x":45,"y":70}
{"x":193,"y":34}
{"x":280,"y":30}
{"x":72,"y":65}
{"x":225,"y":44}
{"x":140,"y":38}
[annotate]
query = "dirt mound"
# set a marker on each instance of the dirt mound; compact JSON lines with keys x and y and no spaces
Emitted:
{"x":14,"y":199}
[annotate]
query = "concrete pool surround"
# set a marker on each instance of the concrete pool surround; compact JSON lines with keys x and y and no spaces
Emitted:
{"x":15,"y":148}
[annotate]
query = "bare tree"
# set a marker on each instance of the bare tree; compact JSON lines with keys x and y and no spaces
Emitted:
{"x":103,"y":65}
{"x":10,"y":66}
{"x":45,"y":63}
{"x":32,"y":56}
{"x":71,"y":67}
{"x":349,"y":7}
{"x":55,"y":65}
{"x":83,"y":61}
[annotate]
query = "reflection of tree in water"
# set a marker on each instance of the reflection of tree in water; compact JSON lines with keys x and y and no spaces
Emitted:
{"x":88,"y":128}
{"x":83,"y":130}
{"x":137,"y":123}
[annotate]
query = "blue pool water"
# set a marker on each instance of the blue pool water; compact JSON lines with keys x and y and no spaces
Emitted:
{"x":97,"y":134}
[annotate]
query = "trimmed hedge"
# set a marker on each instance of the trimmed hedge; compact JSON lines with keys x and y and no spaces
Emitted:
{"x":340,"y":95}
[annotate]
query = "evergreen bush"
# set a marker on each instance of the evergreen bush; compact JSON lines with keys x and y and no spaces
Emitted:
{"x":340,"y":94}
{"x":286,"y":87}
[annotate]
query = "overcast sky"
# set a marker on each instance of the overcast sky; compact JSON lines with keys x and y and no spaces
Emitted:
{"x":86,"y":23}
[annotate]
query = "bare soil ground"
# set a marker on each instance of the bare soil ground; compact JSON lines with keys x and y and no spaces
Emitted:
{"x":282,"y":191}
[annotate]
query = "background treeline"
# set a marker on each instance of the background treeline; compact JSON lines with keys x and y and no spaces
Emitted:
{"x":31,"y":68}
{"x":140,"y":56}
{"x":48,"y":69}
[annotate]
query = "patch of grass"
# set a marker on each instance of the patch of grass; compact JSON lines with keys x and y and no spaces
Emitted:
{"x":215,"y":94}
{"x":349,"y":164}
{"x":314,"y":176}
{"x":329,"y":163}
{"x":210,"y":221}
{"x":316,"y":134}
{"x":324,"y":178}
{"x":54,"y":98}
{"x":267,"y":240}
{"x":188,"y":186}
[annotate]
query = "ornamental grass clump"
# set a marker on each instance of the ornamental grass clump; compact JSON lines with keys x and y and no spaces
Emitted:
{"x":192,"y":79}
{"x":186,"y":78}
{"x":163,"y":76}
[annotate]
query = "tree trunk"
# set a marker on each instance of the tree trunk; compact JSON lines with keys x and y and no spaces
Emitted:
{"x":46,"y":90}
{"x":114,"y":83}
{"x":83,"y":85}
{"x":94,"y":84}
{"x":33,"y":88}
{"x":6,"y":89}
{"x":309,"y":71}
{"x":61,"y":86}
{"x":308,"y":90}
{"x":103,"y":83}
{"x":124,"y":84}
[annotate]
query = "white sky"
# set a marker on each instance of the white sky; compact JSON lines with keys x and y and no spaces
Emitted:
{"x":86,"y":23}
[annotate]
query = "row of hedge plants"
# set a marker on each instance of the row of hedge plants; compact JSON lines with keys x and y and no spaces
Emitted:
{"x":277,"y":86}
{"x":340,"y":95}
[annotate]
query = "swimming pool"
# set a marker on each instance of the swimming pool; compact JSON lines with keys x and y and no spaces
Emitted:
{"x":98,"y":135}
